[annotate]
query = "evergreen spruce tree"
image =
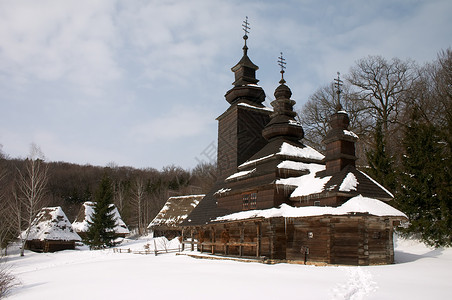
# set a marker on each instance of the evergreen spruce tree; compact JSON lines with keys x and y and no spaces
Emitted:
{"x":101,"y":227}
{"x":379,"y":162}
{"x":424,"y":193}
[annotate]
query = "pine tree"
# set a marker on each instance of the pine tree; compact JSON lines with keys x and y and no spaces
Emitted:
{"x":101,"y":227}
{"x":424,"y":193}
{"x":379,"y":162}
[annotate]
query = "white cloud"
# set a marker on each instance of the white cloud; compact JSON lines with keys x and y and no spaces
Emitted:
{"x":52,"y":40}
{"x":179,"y":122}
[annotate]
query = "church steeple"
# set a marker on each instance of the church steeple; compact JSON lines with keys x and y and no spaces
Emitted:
{"x":240,"y":126}
{"x":339,"y":141}
{"x":245,"y":77}
{"x":245,"y":69}
{"x":283,"y":123}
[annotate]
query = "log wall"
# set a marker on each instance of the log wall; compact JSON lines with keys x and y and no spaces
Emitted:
{"x":344,"y":240}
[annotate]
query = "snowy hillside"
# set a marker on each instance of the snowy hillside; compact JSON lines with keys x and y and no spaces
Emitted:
{"x":420,"y":273}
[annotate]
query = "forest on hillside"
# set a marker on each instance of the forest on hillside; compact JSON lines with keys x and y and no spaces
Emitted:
{"x":139,"y":194}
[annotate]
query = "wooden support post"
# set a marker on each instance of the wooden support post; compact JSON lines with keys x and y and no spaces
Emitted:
{"x":183,"y":239}
{"x":272,"y":239}
{"x":258,"y":239}
{"x":192,"y":241}
{"x":242,"y":238}
{"x":213,"y":239}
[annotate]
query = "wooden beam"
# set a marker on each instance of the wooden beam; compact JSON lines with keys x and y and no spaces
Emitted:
{"x":192,"y":241}
{"x":258,"y":239}
{"x":213,"y":239}
{"x":242,"y":238}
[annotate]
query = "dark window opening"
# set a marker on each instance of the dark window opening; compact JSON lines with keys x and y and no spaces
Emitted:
{"x":249,"y":201}
{"x":246,"y":201}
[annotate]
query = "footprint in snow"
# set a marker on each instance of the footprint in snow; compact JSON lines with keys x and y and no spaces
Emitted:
{"x":359,"y":284}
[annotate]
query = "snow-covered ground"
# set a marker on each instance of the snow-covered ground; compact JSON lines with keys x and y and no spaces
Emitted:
{"x":419,"y":273}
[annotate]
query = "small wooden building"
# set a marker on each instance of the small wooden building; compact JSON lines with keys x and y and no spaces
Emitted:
{"x":81,"y":224}
{"x":278,"y":199}
{"x":174,"y":212}
{"x":51,"y":231}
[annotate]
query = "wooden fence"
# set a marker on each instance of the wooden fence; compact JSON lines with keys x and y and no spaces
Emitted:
{"x":147,"y":251}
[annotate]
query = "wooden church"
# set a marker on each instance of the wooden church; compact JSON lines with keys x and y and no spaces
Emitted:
{"x":277,"y":199}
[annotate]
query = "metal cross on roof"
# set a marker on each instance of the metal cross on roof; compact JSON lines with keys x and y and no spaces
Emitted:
{"x":282,"y":64}
{"x":338,"y":83}
{"x":246,"y":26}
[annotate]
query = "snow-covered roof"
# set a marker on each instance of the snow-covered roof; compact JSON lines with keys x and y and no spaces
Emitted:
{"x":222,"y":191}
{"x":240,"y":174}
{"x":305,"y":152}
{"x":176,"y":210}
{"x":81,"y":223}
{"x":350,"y":133}
{"x":349,"y":180}
{"x":349,"y":184}
{"x":51,"y":223}
{"x":358,"y":204}
{"x":289,"y":150}
{"x":255,"y":107}
{"x":293,"y":165}
{"x":306,"y":184}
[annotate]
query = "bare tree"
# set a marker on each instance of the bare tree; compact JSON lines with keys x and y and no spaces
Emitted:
{"x":119,"y":196}
{"x":383,"y":86}
{"x":31,"y":186}
{"x":138,"y":201}
{"x":7,"y":280}
{"x":6,"y":222}
{"x":443,"y":79}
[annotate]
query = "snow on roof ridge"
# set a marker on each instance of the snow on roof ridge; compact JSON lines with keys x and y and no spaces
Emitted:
{"x":306,"y":152}
{"x":255,"y":107}
{"x":293,"y":165}
{"x":188,"y":196}
{"x":291,"y":151}
{"x":222,"y":190}
{"x":250,"y":162}
{"x":374,"y":181}
{"x":357,"y":204}
{"x":240,"y":174}
{"x":350,"y":133}
{"x":349,"y":183}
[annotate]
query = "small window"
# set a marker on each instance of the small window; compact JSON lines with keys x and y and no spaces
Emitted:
{"x":245,"y":201}
{"x":316,"y":203}
{"x":249,"y":201}
{"x":376,"y":235}
{"x":253,"y":200}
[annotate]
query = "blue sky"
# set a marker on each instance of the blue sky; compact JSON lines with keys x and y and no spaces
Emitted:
{"x":140,"y":83}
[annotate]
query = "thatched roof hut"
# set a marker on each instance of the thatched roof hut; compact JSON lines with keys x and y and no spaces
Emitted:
{"x":173,"y":213}
{"x":50,"y":231}
{"x":81,"y":225}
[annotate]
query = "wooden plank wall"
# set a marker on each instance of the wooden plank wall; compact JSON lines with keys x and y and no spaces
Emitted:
{"x":345,"y":240}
